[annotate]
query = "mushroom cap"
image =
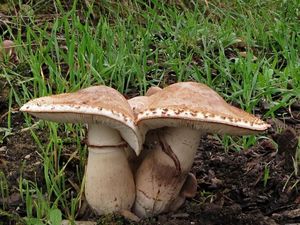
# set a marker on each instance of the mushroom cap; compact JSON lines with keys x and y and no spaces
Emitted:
{"x":7,"y":49}
{"x":7,"y":46}
{"x":97,"y":104}
{"x":197,"y":106}
{"x":138,"y":104}
{"x":153,"y":90}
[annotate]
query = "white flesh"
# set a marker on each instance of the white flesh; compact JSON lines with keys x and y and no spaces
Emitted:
{"x":161,"y":175}
{"x":109,"y":183}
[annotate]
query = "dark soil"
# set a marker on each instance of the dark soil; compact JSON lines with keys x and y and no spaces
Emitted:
{"x":254,"y":186}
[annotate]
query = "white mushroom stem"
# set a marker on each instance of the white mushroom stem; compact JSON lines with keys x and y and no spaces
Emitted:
{"x":109,"y":183}
{"x":163,"y":172}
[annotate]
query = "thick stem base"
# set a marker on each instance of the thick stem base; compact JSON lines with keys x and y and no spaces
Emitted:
{"x":163,"y":172}
{"x":109,"y":183}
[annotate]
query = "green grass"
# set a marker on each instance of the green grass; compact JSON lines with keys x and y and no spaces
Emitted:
{"x":134,"y":46}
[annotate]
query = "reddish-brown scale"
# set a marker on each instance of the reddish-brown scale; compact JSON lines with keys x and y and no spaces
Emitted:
{"x":193,"y":114}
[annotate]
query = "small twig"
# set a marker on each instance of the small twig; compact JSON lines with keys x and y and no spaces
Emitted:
{"x":6,"y":113}
{"x":35,"y":125}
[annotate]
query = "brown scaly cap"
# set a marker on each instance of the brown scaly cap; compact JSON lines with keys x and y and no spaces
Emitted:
{"x":97,"y":104}
{"x":195,"y":105}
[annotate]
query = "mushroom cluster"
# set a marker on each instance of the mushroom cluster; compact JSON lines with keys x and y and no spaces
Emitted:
{"x":165,"y":126}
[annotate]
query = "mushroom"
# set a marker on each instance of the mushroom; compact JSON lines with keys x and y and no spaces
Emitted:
{"x":189,"y":188}
{"x":177,"y":117}
{"x":7,"y":50}
{"x":152,"y":90}
{"x":7,"y":46}
{"x":109,"y":183}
